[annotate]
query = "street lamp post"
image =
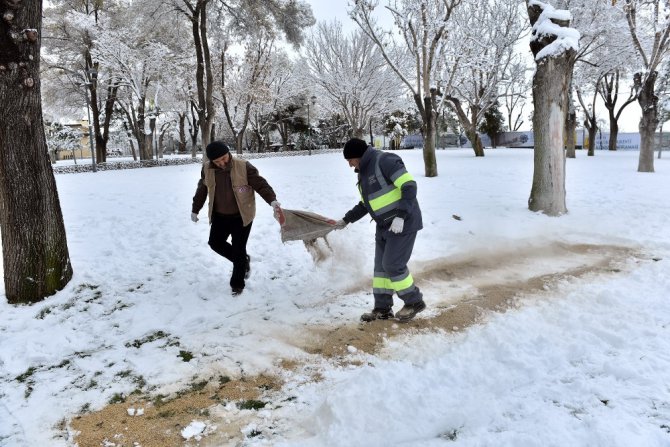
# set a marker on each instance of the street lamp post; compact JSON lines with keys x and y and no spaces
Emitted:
{"x":92,"y":76}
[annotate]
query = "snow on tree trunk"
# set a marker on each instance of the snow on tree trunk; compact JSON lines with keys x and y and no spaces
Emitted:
{"x":34,"y":246}
{"x":553,"y":44}
{"x":648,"y":122}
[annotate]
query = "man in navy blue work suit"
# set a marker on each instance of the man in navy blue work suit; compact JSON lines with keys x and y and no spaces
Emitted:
{"x":388,"y":194}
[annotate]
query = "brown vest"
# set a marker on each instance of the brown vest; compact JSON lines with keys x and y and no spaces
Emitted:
{"x":244,"y":193}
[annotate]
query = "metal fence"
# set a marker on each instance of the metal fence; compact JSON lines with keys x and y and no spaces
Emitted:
{"x":114,"y":165}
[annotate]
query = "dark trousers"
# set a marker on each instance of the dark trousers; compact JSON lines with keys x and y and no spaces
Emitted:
{"x":224,"y":226}
{"x":392,"y":253}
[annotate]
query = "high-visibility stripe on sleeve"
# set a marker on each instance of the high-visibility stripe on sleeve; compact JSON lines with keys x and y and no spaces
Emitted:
{"x":406,"y":177}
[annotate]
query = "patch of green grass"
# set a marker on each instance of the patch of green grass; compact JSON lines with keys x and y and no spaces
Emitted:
{"x":62,"y":364}
{"x":186,"y":356}
{"x":159,"y":399}
{"x":251,"y":404}
{"x":254,"y":433}
{"x":117,"y":398}
{"x":166,"y":414}
{"x":23,"y":377}
{"x":86,"y":286}
{"x":199,"y":386}
{"x":43,"y":313}
{"x":139,"y":381}
{"x":158,"y":335}
{"x":451,"y":436}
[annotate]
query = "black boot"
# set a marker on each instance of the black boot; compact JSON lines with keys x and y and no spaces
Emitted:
{"x":377,"y":314}
{"x":409,"y":311}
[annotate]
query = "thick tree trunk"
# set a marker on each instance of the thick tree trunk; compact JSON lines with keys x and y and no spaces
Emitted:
{"x":614,"y":131}
{"x":239,"y":142}
{"x":648,"y":122}
{"x":570,"y":129}
{"x":194,"y":128}
{"x":429,"y":140}
{"x":550,"y":87}
{"x":34,"y":246}
{"x":477,"y":144}
{"x":593,"y":130}
{"x":182,"y":133}
{"x":468,"y":126}
{"x":429,"y":129}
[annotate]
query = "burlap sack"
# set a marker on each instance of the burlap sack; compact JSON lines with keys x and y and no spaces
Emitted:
{"x":305,"y":226}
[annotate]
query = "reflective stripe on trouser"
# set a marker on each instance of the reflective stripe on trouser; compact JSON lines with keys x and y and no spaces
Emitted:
{"x":392,"y":252}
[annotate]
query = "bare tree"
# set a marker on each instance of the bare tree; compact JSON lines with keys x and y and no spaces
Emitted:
{"x":245,"y":80}
{"x":480,"y":56}
{"x":553,"y":45}
{"x":650,"y":30}
{"x":352,"y":75}
{"x":608,"y":89}
{"x":417,"y":59}
{"x":513,"y":92}
{"x":590,"y":117}
{"x":601,"y":51}
{"x":246,"y":16}
{"x":34,"y":246}
{"x":72,"y":26}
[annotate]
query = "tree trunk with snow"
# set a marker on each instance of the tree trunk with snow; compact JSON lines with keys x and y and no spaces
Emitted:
{"x":551,"y":84}
{"x":36,"y":261}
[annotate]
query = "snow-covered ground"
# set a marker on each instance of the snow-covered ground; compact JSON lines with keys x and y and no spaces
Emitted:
{"x":587,"y":364}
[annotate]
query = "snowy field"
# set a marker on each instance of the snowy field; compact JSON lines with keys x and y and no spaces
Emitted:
{"x":587,"y":363}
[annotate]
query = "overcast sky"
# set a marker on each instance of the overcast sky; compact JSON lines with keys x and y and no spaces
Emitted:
{"x":330,"y":9}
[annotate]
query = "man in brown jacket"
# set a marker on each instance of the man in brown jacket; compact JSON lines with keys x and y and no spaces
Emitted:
{"x":230,"y":185}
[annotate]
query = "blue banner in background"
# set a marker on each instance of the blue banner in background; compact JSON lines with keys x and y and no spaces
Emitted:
{"x":626,"y":141}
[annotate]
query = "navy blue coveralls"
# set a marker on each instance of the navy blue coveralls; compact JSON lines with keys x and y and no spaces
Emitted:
{"x":388,"y":190}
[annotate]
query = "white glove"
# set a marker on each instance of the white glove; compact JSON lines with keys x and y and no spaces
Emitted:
{"x":397,"y":224}
{"x":194,"y":217}
{"x":340,"y":224}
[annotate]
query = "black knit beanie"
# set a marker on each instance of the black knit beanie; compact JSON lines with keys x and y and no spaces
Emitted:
{"x":354,"y":148}
{"x":216,"y":149}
